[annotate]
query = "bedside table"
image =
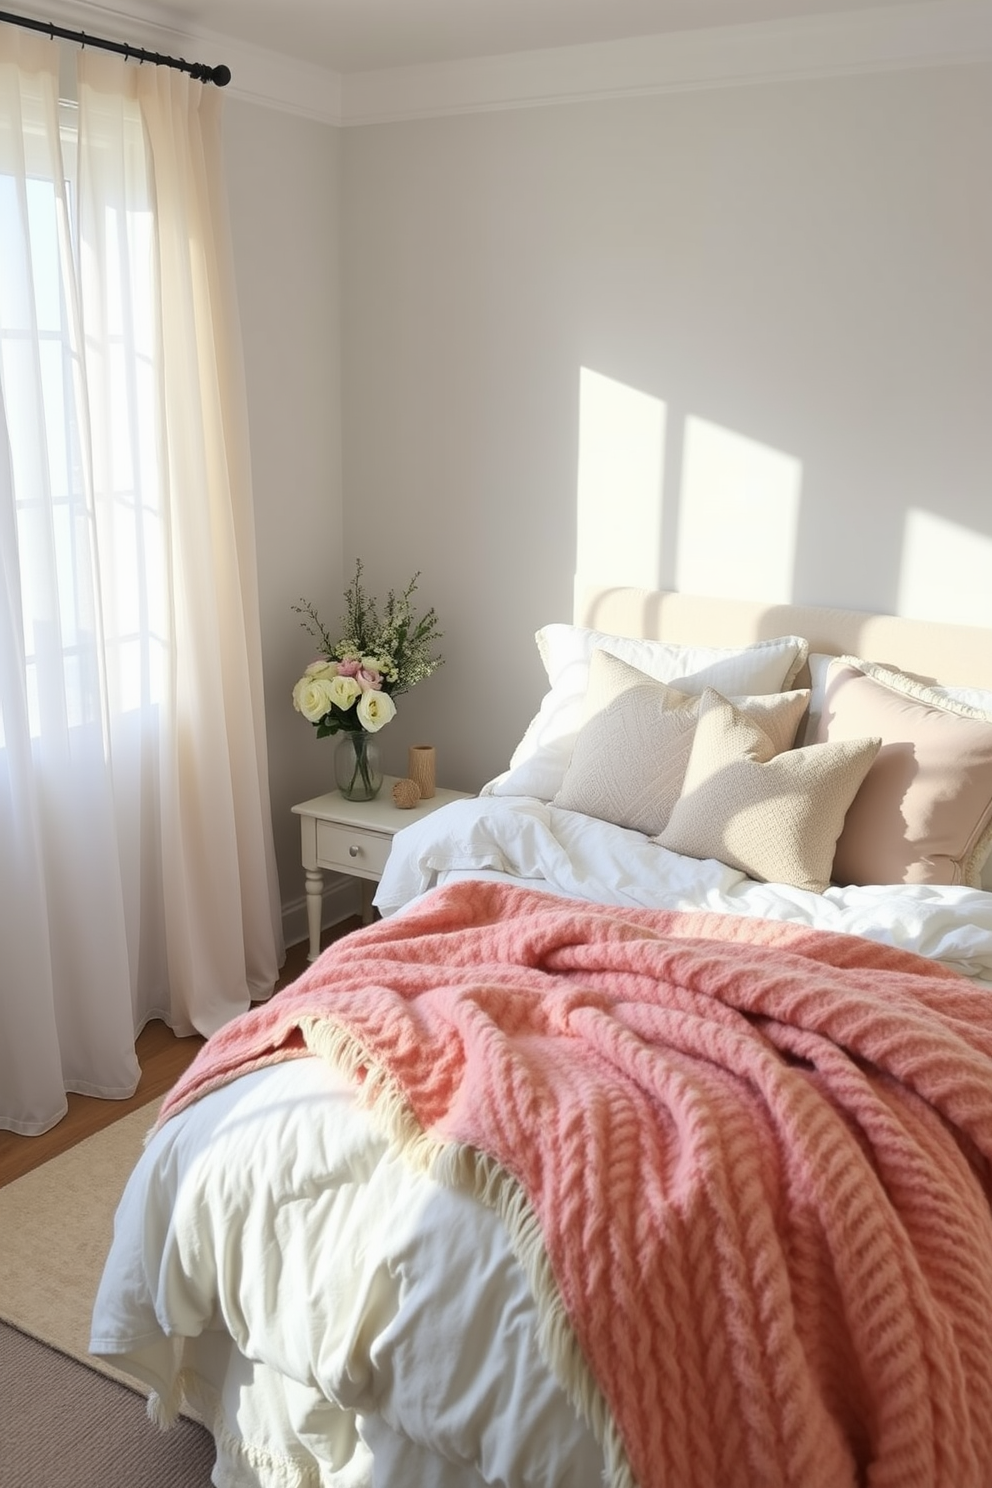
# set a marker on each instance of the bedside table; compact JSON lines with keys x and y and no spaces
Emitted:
{"x":354,"y":837}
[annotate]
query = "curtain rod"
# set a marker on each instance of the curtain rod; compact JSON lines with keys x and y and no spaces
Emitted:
{"x":220,"y":75}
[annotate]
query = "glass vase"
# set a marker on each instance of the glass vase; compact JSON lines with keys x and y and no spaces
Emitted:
{"x":358,"y":766}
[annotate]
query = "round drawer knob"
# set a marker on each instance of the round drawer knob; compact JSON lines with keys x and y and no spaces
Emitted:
{"x":353,"y":852}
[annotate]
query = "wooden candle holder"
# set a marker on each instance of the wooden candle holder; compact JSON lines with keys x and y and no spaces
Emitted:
{"x":421,"y":768}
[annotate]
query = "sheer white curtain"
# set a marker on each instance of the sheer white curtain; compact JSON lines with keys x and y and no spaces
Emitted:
{"x":137,"y":871}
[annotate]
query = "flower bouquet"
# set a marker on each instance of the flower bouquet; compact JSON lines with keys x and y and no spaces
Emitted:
{"x":351,"y":686}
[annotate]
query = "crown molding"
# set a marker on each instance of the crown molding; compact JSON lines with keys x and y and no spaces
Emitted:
{"x":938,"y":33}
{"x":931,"y":33}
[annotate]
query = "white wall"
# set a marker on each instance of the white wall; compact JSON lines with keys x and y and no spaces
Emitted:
{"x":283,"y":190}
{"x":769,"y":302}
{"x":781,"y":294}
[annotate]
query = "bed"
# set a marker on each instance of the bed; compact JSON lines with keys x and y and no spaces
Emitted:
{"x":646,"y":1138}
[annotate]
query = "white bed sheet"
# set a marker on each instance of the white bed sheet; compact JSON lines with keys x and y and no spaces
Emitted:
{"x":567,"y":853}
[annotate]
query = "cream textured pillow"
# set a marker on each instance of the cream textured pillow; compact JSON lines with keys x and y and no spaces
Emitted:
{"x":538,"y":764}
{"x":924,"y":813}
{"x":775,"y":817}
{"x":630,"y":757}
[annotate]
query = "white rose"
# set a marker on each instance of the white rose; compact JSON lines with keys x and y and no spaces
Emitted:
{"x":322,"y":668}
{"x":343,"y":690}
{"x":312,"y":697}
{"x":375,"y":709}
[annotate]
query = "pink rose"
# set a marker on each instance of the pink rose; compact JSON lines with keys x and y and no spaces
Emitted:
{"x":368,"y":679}
{"x":349,"y":668}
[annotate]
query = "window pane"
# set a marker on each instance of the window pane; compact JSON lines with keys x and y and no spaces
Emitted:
{"x":43,"y":230}
{"x":75,"y":638}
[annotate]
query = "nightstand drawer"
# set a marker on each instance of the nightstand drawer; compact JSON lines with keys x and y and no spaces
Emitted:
{"x":351,"y":849}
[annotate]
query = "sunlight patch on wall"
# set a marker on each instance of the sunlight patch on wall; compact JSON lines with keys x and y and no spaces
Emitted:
{"x":946,"y":571}
{"x":738,"y":516}
{"x":621,"y":452}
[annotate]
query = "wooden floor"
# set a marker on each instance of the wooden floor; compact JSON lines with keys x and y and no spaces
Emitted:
{"x":162,"y":1058}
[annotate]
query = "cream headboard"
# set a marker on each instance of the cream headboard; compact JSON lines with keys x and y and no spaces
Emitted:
{"x":954,"y":655}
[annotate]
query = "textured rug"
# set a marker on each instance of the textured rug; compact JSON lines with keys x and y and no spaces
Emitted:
{"x":56,"y":1225}
{"x":62,"y":1425}
{"x":65,"y":1423}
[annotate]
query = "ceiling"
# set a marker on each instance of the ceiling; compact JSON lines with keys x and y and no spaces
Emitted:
{"x":354,"y":36}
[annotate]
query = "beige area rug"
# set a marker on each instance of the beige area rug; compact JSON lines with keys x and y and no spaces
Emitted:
{"x":56,"y":1225}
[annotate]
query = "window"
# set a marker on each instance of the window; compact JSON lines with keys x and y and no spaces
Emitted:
{"x":78,"y":344}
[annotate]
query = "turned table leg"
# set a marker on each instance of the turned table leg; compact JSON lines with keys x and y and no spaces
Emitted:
{"x":315,"y":906}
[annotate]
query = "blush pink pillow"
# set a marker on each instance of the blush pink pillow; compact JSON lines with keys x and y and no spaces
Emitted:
{"x":924,"y":811}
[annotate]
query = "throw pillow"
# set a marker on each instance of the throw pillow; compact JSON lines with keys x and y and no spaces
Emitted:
{"x":924,"y":813}
{"x":538,"y":764}
{"x":629,"y":759}
{"x":776,"y":817}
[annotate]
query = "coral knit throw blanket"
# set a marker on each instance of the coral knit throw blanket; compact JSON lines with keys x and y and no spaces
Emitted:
{"x":745,"y":1163}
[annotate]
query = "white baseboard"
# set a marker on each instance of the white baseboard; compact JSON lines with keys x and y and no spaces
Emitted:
{"x":342,"y":899}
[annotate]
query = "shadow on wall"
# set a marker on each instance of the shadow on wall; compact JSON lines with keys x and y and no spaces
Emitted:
{"x":685,"y":504}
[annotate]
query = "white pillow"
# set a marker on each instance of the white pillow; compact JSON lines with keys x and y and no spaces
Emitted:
{"x":817,"y":661}
{"x":978,"y":698}
{"x":538,"y":764}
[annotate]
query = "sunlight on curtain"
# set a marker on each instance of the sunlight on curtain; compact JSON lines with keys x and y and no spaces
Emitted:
{"x":137,"y":874}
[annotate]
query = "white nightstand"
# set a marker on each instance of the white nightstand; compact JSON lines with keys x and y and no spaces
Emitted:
{"x":354,"y":837}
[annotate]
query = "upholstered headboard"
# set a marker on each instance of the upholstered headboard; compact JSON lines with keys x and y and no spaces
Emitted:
{"x":953,"y":655}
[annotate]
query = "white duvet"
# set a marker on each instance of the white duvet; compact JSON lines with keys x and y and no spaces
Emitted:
{"x":340,"y":1320}
{"x":578,"y":856}
{"x":334,"y":1317}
